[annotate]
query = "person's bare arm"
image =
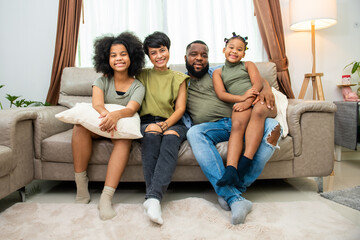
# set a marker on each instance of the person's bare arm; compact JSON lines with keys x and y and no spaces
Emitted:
{"x":180,"y":106}
{"x":254,"y":74}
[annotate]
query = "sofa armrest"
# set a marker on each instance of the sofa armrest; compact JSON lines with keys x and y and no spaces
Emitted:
{"x":8,"y":122}
{"x":295,"y":110}
{"x":16,"y":148}
{"x":46,"y":125}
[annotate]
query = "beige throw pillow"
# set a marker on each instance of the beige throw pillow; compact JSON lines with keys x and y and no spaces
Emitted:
{"x":87,"y":116}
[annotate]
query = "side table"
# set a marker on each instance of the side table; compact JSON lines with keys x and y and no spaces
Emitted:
{"x":347,"y":132}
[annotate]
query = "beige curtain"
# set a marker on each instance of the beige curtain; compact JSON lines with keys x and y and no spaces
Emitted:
{"x":65,"y":46}
{"x":268,"y":15}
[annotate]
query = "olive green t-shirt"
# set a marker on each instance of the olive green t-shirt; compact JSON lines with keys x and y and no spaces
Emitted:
{"x":161,"y":91}
{"x":202,"y":103}
{"x":236,"y":78}
{"x":135,"y":92}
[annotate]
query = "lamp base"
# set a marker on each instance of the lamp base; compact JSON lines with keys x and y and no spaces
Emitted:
{"x":317,"y":86}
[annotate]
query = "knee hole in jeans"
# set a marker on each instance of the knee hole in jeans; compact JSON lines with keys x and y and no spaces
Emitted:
{"x":171,"y":132}
{"x":274,"y":135}
{"x":153,"y":128}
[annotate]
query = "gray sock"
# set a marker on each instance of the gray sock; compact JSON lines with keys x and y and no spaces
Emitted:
{"x":82,"y":192}
{"x":105,"y":203}
{"x":239,"y":211}
{"x":223,"y":204}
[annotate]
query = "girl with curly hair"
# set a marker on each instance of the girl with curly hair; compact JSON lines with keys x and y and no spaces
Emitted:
{"x":119,"y":59}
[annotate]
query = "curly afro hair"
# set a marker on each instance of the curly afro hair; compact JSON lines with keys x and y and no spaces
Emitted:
{"x":132,"y":44}
{"x":156,"y":40}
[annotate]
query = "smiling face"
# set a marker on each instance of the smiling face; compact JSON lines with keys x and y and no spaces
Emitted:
{"x":196,"y":59}
{"x":119,"y":58}
{"x":159,"y":57}
{"x":234,"y":50}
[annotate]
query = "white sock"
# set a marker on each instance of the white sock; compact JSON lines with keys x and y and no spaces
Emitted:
{"x":82,"y":192}
{"x":105,"y":206}
{"x":153,"y":210}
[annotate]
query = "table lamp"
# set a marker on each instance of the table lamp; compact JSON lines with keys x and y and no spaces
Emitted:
{"x":311,"y":15}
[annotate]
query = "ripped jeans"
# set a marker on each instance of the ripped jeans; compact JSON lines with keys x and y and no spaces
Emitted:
{"x":203,"y":139}
{"x":159,"y":153}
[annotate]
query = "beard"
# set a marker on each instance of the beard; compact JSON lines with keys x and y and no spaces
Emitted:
{"x":194,"y":73}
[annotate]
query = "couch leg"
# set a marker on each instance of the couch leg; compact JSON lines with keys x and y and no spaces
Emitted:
{"x":320,"y":184}
{"x":22,"y":194}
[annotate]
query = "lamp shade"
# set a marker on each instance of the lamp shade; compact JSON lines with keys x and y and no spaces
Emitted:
{"x":322,"y":13}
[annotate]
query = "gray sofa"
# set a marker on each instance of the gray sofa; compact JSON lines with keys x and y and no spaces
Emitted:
{"x":308,"y":150}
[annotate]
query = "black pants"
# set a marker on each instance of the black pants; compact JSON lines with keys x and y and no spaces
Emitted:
{"x":159,"y":154}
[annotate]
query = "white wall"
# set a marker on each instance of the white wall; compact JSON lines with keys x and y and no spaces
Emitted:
{"x":28,"y":32}
{"x":335,"y":48}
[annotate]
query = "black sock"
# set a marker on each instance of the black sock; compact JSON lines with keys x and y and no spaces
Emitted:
{"x":230,"y":177}
{"x":243,"y":167}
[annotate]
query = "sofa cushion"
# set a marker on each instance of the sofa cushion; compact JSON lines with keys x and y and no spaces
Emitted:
{"x":76,"y":85}
{"x":57,"y":148}
{"x":5,"y":160}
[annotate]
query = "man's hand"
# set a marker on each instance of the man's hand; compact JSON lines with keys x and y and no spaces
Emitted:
{"x":266,"y":96}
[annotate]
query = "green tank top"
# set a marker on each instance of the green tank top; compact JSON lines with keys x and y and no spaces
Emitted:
{"x":161,"y":91}
{"x":236,"y":78}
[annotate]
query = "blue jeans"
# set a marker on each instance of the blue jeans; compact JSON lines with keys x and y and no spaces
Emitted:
{"x":203,"y":139}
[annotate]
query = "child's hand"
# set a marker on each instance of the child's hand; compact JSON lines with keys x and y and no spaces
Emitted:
{"x":252,"y":92}
{"x":241,"y":106}
{"x":108,"y":122}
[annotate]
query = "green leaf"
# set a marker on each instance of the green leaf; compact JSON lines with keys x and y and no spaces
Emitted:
{"x":349,"y":64}
{"x":355,"y":67}
{"x":12,"y":99}
{"x":20,"y":103}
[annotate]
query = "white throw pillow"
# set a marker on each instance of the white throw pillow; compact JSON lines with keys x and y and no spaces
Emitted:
{"x":87,"y":116}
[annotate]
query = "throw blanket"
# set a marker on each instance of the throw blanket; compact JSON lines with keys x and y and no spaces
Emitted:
{"x":346,"y":124}
{"x":281,"y":102}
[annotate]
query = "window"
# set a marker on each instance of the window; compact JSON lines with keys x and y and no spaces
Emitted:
{"x":182,"y":20}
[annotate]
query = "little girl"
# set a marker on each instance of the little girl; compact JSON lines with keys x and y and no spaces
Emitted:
{"x":239,"y":82}
{"x":119,"y":59}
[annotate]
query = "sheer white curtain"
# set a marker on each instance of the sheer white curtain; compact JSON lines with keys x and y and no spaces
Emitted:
{"x":182,"y":20}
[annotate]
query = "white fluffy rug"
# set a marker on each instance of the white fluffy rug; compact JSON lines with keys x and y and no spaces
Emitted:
{"x":191,"y":218}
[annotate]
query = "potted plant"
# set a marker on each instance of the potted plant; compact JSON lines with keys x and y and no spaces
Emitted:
{"x":355,"y":67}
{"x":17,"y":102}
